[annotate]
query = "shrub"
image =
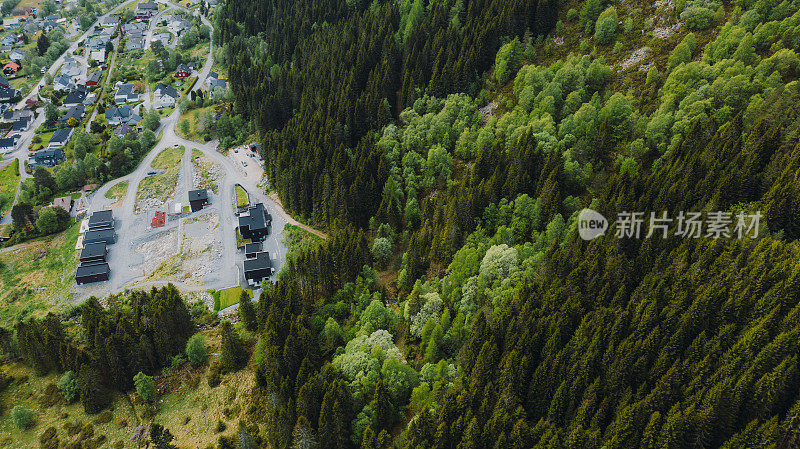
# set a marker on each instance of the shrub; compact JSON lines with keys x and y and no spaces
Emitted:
{"x":22,"y":417}
{"x":68,"y":386}
{"x":145,"y":386}
{"x":572,"y":14}
{"x":697,"y":17}
{"x":382,"y":250}
{"x":606,"y":27}
{"x":196,"y":350}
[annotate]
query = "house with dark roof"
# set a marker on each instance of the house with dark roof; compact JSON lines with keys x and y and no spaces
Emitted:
{"x":183,"y":71}
{"x":94,"y":78}
{"x":62,"y":82}
{"x":123,"y":130}
{"x":257,"y":268}
{"x":198,"y":199}
{"x":8,"y":144}
{"x":77,"y":112}
{"x":4,"y":84}
{"x":251,"y":249}
{"x":125,"y":94}
{"x":21,"y":124}
{"x":107,"y":236}
{"x":255,"y":223}
{"x":94,"y":252}
{"x":75,"y":97}
{"x":88,"y":273}
{"x":125,"y":114}
{"x":102,"y":219}
{"x":47,"y":157}
{"x":164,"y":96}
{"x":109,"y":21}
{"x":60,"y":138}
{"x":7,"y":95}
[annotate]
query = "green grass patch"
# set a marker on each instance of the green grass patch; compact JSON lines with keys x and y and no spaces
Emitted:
{"x":298,"y":240}
{"x":38,"y":277}
{"x":117,"y":191}
{"x":169,"y":158}
{"x":228,"y":297}
{"x":9,"y":181}
{"x":241,"y":197}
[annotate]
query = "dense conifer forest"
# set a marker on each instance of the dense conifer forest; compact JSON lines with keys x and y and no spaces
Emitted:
{"x":449,"y":146}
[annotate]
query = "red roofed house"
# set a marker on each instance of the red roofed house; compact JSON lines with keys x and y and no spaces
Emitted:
{"x":11,"y":68}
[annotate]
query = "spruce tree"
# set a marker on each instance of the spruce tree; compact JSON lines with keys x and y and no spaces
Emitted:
{"x":233,"y":356}
{"x":247,"y":312}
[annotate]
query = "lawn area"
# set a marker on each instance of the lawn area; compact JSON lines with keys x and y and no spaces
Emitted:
{"x":118,"y":192}
{"x":299,"y":240}
{"x":192,"y":116}
{"x":169,"y":158}
{"x":162,"y":187}
{"x":228,"y":297}
{"x":241,"y":197}
{"x":38,"y":277}
{"x":9,"y":180}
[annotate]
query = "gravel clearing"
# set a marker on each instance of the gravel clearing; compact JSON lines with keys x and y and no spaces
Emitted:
{"x":635,"y":58}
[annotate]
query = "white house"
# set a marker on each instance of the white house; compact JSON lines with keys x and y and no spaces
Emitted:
{"x":164,"y":96}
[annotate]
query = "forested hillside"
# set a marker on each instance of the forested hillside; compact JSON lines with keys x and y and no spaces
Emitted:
{"x":465,"y":136}
{"x":448,"y":147}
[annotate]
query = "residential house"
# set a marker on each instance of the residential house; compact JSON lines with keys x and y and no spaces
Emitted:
{"x":8,"y":144}
{"x":47,"y":157}
{"x":109,"y":21}
{"x":88,"y":273}
{"x":21,"y":125}
{"x":11,"y":68}
{"x":8,"y":94}
{"x":71,"y":69}
{"x":75,"y":97}
{"x":11,"y":23}
{"x":49,"y":25}
{"x":94,"y":78}
{"x":257,"y":268}
{"x":4,"y":84}
{"x":135,"y":27}
{"x":77,"y":112}
{"x":11,"y":116}
{"x":178,"y":25}
{"x":60,"y":138}
{"x":95,"y":43}
{"x":183,"y":71}
{"x":97,"y":55}
{"x":198,"y":199}
{"x":125,"y":94}
{"x":164,"y":38}
{"x":123,"y":115}
{"x":8,"y":39}
{"x":63,"y":82}
{"x":102,"y":219}
{"x":148,"y":6}
{"x":64,"y":202}
{"x":16,"y":55}
{"x":134,"y":43}
{"x":255,"y":223}
{"x":124,"y":129}
{"x":5,"y":49}
{"x":164,"y":96}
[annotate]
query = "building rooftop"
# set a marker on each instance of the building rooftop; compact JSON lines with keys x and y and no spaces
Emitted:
{"x":91,"y":269}
{"x":101,"y":217}
{"x":92,"y":250}
{"x":256,"y":217}
{"x":252,"y":248}
{"x":198,"y":195}
{"x":260,"y":262}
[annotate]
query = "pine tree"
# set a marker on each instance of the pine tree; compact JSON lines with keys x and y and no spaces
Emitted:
{"x":247,"y":312}
{"x":233,"y":356}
